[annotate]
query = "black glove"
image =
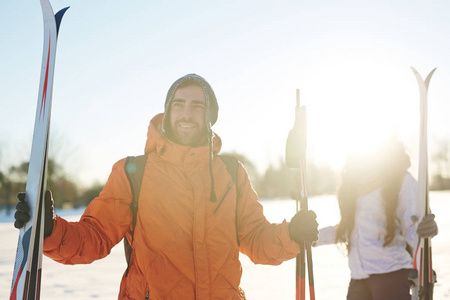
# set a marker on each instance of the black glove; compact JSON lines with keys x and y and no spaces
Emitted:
{"x":304,"y":227}
{"x":427,"y":227}
{"x":22,"y":214}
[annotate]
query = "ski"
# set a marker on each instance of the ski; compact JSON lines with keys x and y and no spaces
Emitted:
{"x":424,"y":281}
{"x":26,"y":279}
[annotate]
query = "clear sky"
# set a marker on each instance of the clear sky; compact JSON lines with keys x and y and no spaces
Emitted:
{"x":116,"y":60}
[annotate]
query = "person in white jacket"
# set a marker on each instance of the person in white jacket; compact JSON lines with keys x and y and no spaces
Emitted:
{"x":377,"y":200}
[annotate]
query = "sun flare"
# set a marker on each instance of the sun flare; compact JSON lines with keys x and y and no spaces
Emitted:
{"x":358,"y":107}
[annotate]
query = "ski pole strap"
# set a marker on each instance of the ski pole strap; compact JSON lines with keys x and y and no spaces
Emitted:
{"x":134,"y":169}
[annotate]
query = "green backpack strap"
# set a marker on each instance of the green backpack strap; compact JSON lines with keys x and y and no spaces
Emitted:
{"x":134,"y":168}
{"x":232,"y":165}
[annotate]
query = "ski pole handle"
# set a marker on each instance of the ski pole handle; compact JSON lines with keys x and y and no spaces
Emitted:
{"x":296,"y":141}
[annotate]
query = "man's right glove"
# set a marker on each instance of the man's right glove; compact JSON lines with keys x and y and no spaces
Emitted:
{"x":304,"y":227}
{"x":22,"y":214}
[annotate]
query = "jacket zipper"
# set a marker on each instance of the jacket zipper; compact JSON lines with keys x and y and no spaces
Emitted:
{"x":226,"y":193}
{"x":147,"y":295}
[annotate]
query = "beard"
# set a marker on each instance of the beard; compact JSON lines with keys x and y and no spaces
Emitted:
{"x":187,"y":133}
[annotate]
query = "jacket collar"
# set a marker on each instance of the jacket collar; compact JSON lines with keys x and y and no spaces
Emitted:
{"x":173,"y":152}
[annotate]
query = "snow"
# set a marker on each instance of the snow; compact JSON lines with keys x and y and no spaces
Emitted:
{"x":101,"y":279}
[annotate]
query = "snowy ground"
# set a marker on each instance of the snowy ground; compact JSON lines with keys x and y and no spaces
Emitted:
{"x":100,"y":280}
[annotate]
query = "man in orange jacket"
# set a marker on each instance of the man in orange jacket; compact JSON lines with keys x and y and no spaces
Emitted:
{"x":192,"y":219}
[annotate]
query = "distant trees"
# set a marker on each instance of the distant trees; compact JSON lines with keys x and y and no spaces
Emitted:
{"x":276,"y":181}
{"x":65,"y":190}
{"x":441,"y":179}
{"x":280,"y":181}
{"x":11,"y":183}
{"x":249,"y":166}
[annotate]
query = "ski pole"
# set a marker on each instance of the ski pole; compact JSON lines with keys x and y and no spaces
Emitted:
{"x":295,"y":158}
{"x":307,"y":245}
{"x":300,"y":261}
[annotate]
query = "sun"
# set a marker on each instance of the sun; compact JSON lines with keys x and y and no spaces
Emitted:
{"x":356,"y":107}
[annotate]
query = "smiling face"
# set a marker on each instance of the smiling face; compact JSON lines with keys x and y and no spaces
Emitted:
{"x":187,"y":116}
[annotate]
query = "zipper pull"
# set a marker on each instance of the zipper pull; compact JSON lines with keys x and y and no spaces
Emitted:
{"x":147,"y":295}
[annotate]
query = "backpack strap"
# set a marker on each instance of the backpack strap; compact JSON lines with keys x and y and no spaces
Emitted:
{"x":134,"y":169}
{"x":232,"y":165}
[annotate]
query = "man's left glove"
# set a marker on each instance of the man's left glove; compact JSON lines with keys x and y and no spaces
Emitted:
{"x":22,"y":214}
{"x":304,"y":227}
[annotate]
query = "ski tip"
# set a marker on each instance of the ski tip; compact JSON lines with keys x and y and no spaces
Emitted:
{"x":429,"y":75}
{"x":58,"y":18}
{"x":427,"y":80}
{"x":416,"y":73}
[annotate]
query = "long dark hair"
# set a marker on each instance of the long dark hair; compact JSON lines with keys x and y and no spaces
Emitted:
{"x":382,"y":168}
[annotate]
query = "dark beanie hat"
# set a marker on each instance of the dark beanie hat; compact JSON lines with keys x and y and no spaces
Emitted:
{"x":212,"y":108}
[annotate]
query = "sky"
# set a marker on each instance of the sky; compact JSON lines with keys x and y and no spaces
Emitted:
{"x":115,"y":62}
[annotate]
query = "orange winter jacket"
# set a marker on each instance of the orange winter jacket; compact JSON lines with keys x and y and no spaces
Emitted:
{"x":185,"y":246}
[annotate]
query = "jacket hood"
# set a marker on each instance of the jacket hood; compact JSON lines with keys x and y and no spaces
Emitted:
{"x":156,"y":141}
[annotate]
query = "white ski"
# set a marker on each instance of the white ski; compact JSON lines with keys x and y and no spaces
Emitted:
{"x":27,"y":268}
{"x":422,"y":254}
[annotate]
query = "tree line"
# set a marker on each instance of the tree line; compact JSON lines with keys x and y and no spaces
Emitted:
{"x":275,"y":182}
{"x":66,"y":191}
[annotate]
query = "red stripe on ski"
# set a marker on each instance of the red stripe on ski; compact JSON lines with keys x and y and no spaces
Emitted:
{"x":14,"y":291}
{"x":415,"y":258}
{"x":44,"y":89}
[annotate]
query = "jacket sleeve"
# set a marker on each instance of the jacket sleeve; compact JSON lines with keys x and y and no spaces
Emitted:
{"x":103,"y":224}
{"x":407,"y":209}
{"x":261,"y":241}
{"x":327,"y":236}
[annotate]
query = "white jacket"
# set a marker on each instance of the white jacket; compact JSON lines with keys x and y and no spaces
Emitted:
{"x":367,"y":254}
